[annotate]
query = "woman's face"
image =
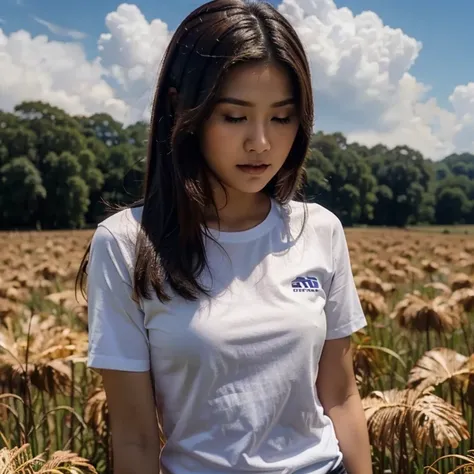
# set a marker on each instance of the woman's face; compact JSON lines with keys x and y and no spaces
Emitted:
{"x":252,"y":128}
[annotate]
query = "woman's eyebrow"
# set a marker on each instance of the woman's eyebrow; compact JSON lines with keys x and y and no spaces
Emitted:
{"x":245,"y":103}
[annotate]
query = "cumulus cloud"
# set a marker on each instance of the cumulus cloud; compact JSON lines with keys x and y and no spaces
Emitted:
{"x":356,"y":60}
{"x":120,"y":81}
{"x":362,"y":81}
{"x":361,"y":75}
{"x":132,"y":51}
{"x":60,"y":30}
{"x":55,"y":72}
{"x":462,"y":100}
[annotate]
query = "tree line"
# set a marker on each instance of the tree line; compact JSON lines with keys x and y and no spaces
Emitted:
{"x":57,"y":171}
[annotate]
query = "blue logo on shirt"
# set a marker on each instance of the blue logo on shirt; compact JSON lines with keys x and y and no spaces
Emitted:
{"x":305,"y":284}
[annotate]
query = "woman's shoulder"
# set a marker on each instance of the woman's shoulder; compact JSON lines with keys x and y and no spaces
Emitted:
{"x":123,"y":222}
{"x":119,"y":230}
{"x":316,"y":215}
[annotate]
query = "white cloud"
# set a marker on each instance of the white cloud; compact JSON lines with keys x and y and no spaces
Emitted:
{"x":462,"y":100}
{"x":55,"y":72}
{"x":361,"y":74}
{"x":59,"y":72}
{"x":60,"y":30}
{"x":132,"y":51}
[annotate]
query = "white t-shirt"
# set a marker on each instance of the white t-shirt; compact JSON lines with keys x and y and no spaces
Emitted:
{"x":235,"y":373}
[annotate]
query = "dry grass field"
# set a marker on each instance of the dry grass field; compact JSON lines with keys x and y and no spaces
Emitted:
{"x":414,"y":363}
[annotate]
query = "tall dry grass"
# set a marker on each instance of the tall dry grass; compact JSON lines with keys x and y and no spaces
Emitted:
{"x":414,"y":362}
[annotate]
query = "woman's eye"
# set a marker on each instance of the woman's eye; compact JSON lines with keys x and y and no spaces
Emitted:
{"x":234,"y":119}
{"x":283,"y":120}
{"x":280,"y":120}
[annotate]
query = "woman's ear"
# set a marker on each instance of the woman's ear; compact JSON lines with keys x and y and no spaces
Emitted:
{"x":173,"y":98}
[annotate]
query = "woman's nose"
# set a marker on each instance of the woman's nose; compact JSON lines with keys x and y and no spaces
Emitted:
{"x":258,"y":140}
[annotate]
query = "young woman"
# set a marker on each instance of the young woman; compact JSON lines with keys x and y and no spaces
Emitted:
{"x":219,"y":299}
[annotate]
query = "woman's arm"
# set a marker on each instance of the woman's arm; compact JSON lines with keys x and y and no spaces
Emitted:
{"x":339,"y":395}
{"x":133,"y":420}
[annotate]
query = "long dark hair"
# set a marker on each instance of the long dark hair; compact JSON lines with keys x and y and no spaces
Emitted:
{"x":213,"y":39}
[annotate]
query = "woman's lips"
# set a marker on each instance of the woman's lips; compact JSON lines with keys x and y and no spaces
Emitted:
{"x":251,"y":169}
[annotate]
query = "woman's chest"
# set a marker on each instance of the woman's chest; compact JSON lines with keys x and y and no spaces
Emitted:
{"x":256,"y":307}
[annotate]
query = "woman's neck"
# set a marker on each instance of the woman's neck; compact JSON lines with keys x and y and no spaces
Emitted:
{"x":238,"y":213}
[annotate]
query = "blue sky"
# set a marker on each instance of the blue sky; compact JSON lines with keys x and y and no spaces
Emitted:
{"x":446,"y":30}
{"x":370,"y":110}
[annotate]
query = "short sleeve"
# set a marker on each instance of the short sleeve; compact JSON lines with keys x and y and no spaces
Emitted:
{"x":343,"y":309}
{"x":117,"y":336}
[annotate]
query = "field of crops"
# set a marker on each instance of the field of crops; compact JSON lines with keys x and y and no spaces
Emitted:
{"x":414,"y":363}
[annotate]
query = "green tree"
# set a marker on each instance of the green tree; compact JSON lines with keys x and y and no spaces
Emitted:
{"x":406,"y":174}
{"x":452,"y":206}
{"x":76,"y":202}
{"x":461,"y":164}
{"x":8,"y":120}
{"x":91,"y":175}
{"x":40,"y":117}
{"x":318,"y":168}
{"x":349,"y":204}
{"x":4,"y":157}
{"x":94,"y":178}
{"x":18,"y":140}
{"x":67,"y":198}
{"x":80,"y":160}
{"x":22,"y":192}
{"x":61,"y":139}
{"x":100,"y":151}
{"x":426,"y":214}
{"x":103,"y":127}
{"x":349,"y":191}
{"x":442,"y":171}
{"x":121,"y":183}
{"x":138,"y":134}
{"x":384,"y":199}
